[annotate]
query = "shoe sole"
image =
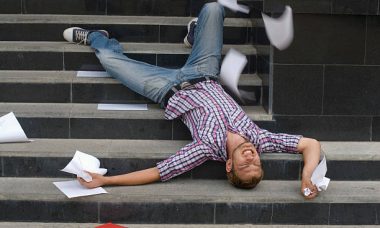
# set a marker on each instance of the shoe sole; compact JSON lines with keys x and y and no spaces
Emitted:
{"x":187,"y":44}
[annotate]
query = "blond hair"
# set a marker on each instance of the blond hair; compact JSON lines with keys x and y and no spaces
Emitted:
{"x":239,"y":183}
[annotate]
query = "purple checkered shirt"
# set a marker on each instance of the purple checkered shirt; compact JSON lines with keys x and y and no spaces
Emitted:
{"x":209,"y":112}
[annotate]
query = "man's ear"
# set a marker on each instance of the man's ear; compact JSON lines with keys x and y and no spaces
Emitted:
{"x":229,"y":165}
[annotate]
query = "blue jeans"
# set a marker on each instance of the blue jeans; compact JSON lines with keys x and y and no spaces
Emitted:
{"x":154,"y":82}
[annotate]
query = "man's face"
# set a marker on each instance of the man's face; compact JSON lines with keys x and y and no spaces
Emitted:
{"x":246,"y":161}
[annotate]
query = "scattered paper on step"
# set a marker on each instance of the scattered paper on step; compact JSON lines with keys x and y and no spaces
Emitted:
{"x":93,"y":74}
{"x":74,"y":189}
{"x":234,"y":6}
{"x":232,"y":66}
{"x":280,"y":30}
{"x":83,"y":162}
{"x":318,"y":177}
{"x":11,"y":130}
{"x":123,"y":107}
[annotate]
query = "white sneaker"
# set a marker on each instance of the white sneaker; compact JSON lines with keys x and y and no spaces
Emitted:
{"x":79,"y":35}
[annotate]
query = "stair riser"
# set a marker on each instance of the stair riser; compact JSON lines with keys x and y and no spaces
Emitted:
{"x":119,"y":7}
{"x":273,"y":169}
{"x":123,"y":33}
{"x":202,"y":213}
{"x":88,"y":61}
{"x":101,"y":128}
{"x":80,"y":93}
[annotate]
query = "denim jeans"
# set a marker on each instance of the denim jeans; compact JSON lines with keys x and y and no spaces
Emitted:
{"x":153,"y":81}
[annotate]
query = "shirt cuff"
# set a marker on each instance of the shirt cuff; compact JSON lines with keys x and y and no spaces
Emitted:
{"x":162,"y":168}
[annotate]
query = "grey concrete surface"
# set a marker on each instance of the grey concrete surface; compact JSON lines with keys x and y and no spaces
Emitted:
{"x":66,"y":110}
{"x":352,"y":150}
{"x":355,"y":151}
{"x":128,"y":20}
{"x":198,"y":191}
{"x":14,"y":76}
{"x":145,"y":48}
{"x":92,"y":225}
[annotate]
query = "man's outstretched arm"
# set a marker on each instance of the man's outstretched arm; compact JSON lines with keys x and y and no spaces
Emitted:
{"x":145,"y":176}
{"x":310,"y":149}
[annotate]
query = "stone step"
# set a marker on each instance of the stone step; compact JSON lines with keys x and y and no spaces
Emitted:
{"x":66,"y":120}
{"x":117,"y":7}
{"x":125,"y":29}
{"x":194,"y":202}
{"x":65,"y":87}
{"x":46,"y":157}
{"x":18,"y":55}
{"x":93,"y":225}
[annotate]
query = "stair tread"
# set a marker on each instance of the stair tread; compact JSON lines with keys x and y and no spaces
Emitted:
{"x":145,"y":48}
{"x":124,"y":20}
{"x":74,"y":110}
{"x":128,"y":148}
{"x":194,"y":191}
{"x":8,"y":76}
{"x":92,"y":225}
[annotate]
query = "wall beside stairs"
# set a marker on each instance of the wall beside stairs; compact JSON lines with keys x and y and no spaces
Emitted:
{"x":326,"y":84}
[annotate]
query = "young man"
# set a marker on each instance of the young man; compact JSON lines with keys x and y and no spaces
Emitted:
{"x":220,"y":129}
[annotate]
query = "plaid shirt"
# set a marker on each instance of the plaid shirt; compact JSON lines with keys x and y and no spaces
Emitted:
{"x":209,"y":112}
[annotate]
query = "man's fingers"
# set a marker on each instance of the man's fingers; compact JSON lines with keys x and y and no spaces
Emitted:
{"x":83,"y":182}
{"x":312,"y":195}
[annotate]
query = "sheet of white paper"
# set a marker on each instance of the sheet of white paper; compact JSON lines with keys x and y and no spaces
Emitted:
{"x":11,"y":130}
{"x":245,"y":95}
{"x":74,"y":189}
{"x":234,"y":6}
{"x":232,"y":66}
{"x":93,"y":74}
{"x":318,"y":177}
{"x":123,"y":107}
{"x":280,"y":30}
{"x":82,"y":162}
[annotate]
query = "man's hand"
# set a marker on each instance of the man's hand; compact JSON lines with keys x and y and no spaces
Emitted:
{"x":310,"y":149}
{"x":97,"y":181}
{"x":306,"y":183}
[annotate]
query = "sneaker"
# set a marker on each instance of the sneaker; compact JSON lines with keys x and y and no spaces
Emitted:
{"x":189,"y":39}
{"x":79,"y":35}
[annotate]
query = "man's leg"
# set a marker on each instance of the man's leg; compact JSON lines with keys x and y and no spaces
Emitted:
{"x":205,"y":56}
{"x":148,"y":80}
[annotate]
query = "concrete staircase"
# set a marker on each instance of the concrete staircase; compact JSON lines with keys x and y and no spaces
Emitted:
{"x":38,"y":82}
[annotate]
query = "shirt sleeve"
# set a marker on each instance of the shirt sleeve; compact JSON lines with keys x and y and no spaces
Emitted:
{"x":277,"y":142}
{"x":187,"y":158}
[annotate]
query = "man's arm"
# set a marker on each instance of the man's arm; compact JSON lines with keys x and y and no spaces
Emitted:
{"x":145,"y":176}
{"x":310,"y":149}
{"x":187,"y":158}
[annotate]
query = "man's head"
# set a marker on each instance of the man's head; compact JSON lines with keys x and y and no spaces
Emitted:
{"x":244,"y":167}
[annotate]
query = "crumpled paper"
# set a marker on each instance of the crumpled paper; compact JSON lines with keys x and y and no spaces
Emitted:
{"x":11,"y":130}
{"x":234,"y":6}
{"x":83,"y":162}
{"x":280,"y":31}
{"x":318,"y":177}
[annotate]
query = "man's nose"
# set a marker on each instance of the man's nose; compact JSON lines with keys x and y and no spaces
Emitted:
{"x":248,"y":154}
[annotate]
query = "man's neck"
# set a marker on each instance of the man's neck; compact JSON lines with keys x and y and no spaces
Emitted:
{"x":233,"y":140}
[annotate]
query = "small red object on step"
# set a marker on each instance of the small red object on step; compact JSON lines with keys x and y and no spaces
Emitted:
{"x":110,"y":225}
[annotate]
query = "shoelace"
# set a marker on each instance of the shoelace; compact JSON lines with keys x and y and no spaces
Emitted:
{"x":81,"y":36}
